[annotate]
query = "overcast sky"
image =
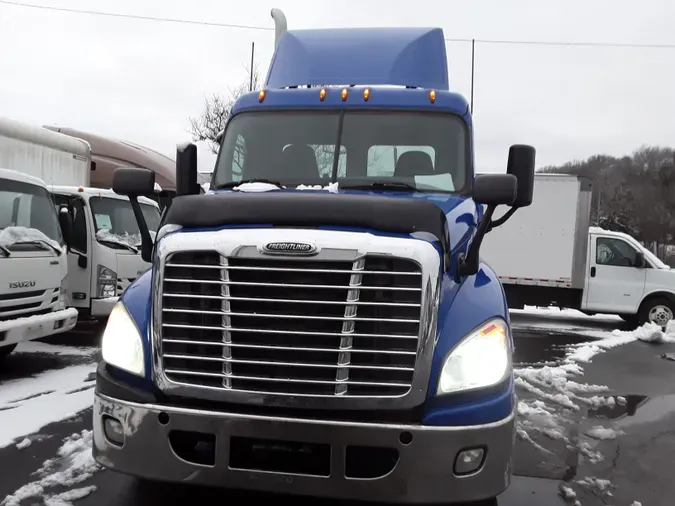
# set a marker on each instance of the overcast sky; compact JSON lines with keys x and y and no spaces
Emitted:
{"x":140,"y":80}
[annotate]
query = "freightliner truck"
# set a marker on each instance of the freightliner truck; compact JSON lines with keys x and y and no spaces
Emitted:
{"x":319,"y":322}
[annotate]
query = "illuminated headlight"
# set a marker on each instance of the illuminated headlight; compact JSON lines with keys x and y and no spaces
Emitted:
{"x":482,"y":359}
{"x":106,"y":283}
{"x":122,"y":346}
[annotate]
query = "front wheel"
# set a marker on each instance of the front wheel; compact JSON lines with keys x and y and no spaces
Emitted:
{"x":659,"y":310}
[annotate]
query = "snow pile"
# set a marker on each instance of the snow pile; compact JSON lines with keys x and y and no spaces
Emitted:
{"x":553,"y":398}
{"x":331,"y":187}
{"x":126,"y":239}
{"x":39,"y":319}
{"x":73,"y":465}
{"x":256,"y":187}
{"x":32,"y":403}
{"x":12,"y":235}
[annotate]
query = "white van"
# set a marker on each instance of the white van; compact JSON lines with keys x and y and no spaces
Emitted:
{"x":104,"y":257}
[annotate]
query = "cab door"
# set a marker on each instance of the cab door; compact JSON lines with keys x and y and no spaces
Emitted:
{"x":79,"y":268}
{"x":616,"y":278}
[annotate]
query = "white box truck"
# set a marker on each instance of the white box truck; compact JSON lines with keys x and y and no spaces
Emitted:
{"x":33,"y":263}
{"x":548,"y":254}
{"x":104,"y":256}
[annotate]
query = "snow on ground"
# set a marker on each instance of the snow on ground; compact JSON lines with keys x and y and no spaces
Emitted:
{"x":28,"y":404}
{"x":73,"y":465}
{"x":39,"y":347}
{"x":552,"y":395}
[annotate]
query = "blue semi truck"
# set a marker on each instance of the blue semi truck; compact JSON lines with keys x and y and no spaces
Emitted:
{"x":319,"y":322}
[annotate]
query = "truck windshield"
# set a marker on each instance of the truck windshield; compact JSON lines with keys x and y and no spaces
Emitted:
{"x":116,"y":224}
{"x":409,"y":149}
{"x":28,"y":220}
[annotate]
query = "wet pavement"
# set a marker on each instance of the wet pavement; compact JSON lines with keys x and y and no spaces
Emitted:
{"x":635,"y":463}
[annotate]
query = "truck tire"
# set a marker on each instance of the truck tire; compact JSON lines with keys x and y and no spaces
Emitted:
{"x":658,"y":310}
{"x":6,"y":350}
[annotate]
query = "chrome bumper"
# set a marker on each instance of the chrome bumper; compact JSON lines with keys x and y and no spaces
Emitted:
{"x":418,"y":463}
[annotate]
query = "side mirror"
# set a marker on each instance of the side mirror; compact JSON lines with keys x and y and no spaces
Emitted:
{"x":66,"y":224}
{"x":495,"y":189}
{"x":640,"y":260}
{"x":521,"y":165}
{"x":186,"y":170}
{"x":133,"y":181}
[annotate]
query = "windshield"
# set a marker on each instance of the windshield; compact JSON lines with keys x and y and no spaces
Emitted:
{"x":116,"y":224}
{"x":428,"y":151}
{"x":28,"y":219}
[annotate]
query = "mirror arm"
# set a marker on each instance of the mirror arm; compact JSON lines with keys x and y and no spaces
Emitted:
{"x":469,"y":264}
{"x":146,"y":240}
{"x":499,"y":222}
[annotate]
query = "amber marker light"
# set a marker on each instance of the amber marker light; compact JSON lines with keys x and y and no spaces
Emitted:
{"x":261,"y":96}
{"x":366,"y":94}
{"x":322,"y":94}
{"x":432,"y":96}
{"x":345,"y":92}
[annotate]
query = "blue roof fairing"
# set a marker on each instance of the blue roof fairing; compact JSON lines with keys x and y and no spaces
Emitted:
{"x":361,"y":56}
{"x":380,"y":98}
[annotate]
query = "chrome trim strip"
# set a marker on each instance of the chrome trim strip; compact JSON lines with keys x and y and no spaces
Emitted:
{"x":332,"y":245}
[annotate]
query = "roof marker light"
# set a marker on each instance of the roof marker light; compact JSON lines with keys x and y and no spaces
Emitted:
{"x":432,"y":96}
{"x":322,"y":94}
{"x":80,"y":189}
{"x":345,"y":92}
{"x":366,"y":94}
{"x":261,"y":96}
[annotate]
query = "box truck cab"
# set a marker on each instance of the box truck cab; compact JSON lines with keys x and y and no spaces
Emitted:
{"x":625,"y":278}
{"x":104,"y":256}
{"x":33,"y":264}
{"x":319,"y":322}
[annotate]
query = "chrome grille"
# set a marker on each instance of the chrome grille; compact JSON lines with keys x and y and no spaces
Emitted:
{"x":25,"y":304}
{"x":291,"y":326}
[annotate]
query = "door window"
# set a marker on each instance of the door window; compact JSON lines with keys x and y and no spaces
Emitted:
{"x":615,"y":252}
{"x":79,"y":236}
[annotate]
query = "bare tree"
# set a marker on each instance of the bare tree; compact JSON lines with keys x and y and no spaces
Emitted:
{"x":216,"y":110}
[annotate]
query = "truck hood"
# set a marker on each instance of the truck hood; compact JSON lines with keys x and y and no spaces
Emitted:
{"x":461,"y":212}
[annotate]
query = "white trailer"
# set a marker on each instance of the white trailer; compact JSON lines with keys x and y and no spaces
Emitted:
{"x":548,"y":254}
{"x":104,"y":255}
{"x":33,"y":263}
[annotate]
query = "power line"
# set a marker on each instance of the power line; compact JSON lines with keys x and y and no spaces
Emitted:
{"x":265,"y":28}
{"x":134,"y":16}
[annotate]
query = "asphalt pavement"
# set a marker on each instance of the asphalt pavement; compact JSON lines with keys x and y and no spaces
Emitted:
{"x":633,"y":465}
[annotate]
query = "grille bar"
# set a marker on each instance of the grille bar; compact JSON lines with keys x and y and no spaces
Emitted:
{"x":291,"y":326}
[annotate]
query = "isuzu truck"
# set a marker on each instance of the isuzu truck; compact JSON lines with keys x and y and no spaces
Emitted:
{"x":570,"y":264}
{"x":319,"y":322}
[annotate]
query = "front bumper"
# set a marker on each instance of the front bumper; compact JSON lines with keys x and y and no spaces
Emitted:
{"x":36,"y":327}
{"x":418,"y":466}
{"x":101,"y":308}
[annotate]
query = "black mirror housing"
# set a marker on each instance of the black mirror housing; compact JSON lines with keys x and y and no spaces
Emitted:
{"x":66,"y":224}
{"x":640,"y":262}
{"x":521,"y":165}
{"x":186,"y":170}
{"x":133,"y":181}
{"x":495,"y":189}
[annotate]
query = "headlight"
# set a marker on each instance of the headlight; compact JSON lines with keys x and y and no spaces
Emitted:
{"x":106,"y":282}
{"x":122,"y":346}
{"x":480,"y":360}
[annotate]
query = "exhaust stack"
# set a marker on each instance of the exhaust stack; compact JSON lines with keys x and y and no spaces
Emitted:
{"x":280,"y":25}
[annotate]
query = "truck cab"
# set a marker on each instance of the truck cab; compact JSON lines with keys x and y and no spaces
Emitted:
{"x":33,"y":266}
{"x":104,"y":255}
{"x":626,"y":278}
{"x":319,"y":322}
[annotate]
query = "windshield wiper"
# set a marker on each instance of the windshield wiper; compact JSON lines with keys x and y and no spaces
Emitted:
{"x":382,"y":185}
{"x":6,"y":251}
{"x":116,"y":243}
{"x":234,"y":184}
{"x":40,"y":242}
